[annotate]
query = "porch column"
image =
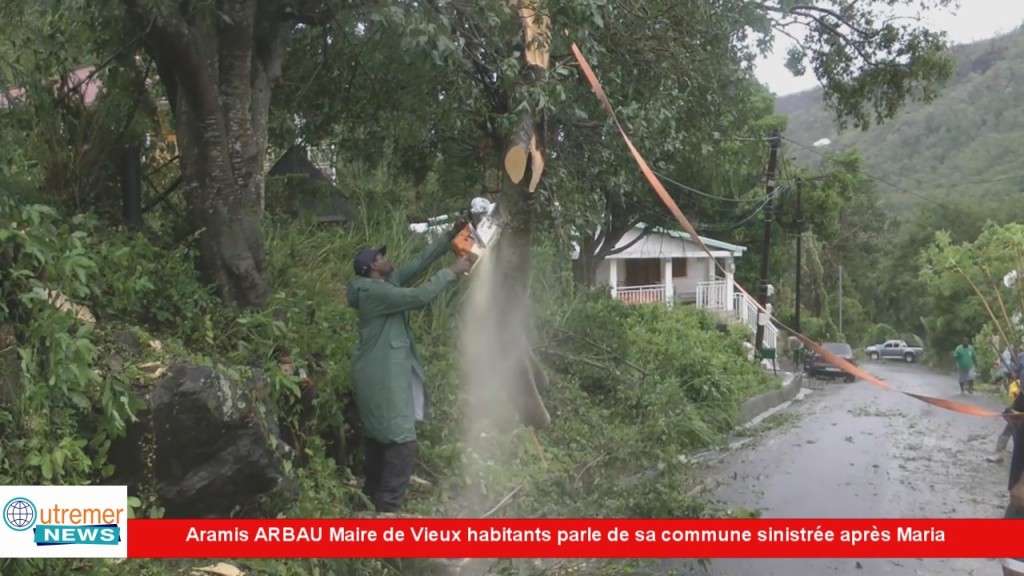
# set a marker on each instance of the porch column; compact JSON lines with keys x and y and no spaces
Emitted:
{"x":666,"y":279}
{"x":730,"y":288}
{"x":613,"y":276}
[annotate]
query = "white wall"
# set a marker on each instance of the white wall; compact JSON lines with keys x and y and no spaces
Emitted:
{"x":686,"y":286}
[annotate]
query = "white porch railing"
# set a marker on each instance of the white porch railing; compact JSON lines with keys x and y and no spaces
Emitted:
{"x":641,"y":294}
{"x":714,"y":296}
{"x":747,"y":311}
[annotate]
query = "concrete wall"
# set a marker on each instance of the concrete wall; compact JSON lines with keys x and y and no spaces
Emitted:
{"x":752,"y":407}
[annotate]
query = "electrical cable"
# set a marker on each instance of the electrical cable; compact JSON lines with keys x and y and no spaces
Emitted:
{"x":702,"y":193}
{"x":735,"y":225}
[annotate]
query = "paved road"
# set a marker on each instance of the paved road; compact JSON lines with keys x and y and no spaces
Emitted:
{"x":858,"y":451}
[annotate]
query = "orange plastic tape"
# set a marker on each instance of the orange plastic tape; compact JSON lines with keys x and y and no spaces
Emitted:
{"x":685,"y":223}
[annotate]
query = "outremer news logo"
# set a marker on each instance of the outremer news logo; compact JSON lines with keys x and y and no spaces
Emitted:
{"x":64,"y":522}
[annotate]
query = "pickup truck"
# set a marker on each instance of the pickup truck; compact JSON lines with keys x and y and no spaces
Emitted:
{"x":894,"y":350}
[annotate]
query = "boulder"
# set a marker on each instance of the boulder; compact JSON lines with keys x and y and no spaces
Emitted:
{"x":205,"y":444}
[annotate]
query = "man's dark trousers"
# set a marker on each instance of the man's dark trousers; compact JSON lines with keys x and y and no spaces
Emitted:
{"x":389,"y":468}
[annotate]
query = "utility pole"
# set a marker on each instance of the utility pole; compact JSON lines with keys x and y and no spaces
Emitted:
{"x":840,"y":298}
{"x":769,"y":190}
{"x":799,"y":246}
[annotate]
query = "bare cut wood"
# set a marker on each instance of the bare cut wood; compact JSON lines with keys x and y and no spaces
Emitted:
{"x":517,"y":154}
{"x":526,"y":149}
{"x":61,"y":302}
{"x":536,"y":163}
{"x":218,"y":569}
{"x":536,"y":33}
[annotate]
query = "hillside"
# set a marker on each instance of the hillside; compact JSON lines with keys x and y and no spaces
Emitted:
{"x":968,"y":142}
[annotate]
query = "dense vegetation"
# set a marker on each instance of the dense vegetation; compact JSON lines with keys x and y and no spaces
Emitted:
{"x":417,"y":103}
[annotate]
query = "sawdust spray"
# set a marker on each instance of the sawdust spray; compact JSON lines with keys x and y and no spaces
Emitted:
{"x":494,"y":341}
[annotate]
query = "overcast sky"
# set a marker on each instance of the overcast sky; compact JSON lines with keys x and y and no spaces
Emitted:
{"x":974,"y":20}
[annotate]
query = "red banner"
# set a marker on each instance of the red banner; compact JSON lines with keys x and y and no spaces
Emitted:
{"x":573,"y":538}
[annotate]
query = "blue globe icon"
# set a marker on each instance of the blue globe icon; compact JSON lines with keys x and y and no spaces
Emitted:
{"x":20,"y":514}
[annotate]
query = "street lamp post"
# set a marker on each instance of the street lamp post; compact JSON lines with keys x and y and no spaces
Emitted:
{"x":799,"y":258}
{"x":821,"y":143}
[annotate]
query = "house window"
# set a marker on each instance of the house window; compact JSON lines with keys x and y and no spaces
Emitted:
{"x":679,"y":267}
{"x":642,"y":272}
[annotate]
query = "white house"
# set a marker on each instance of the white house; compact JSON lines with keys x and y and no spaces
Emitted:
{"x":668,"y":266}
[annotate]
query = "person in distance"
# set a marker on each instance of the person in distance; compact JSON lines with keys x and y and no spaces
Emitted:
{"x":966,"y":365}
{"x":387,"y":372}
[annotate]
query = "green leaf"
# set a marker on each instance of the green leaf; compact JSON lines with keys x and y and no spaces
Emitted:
{"x":79,"y":400}
{"x":46,"y":468}
{"x":58,"y":459}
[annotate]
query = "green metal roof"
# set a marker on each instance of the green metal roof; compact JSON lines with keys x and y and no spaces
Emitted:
{"x":709,"y":242}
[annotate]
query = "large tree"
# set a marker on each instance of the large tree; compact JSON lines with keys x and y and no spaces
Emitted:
{"x":218,"y":63}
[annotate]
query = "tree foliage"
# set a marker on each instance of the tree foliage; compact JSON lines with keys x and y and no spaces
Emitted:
{"x":963,"y":286}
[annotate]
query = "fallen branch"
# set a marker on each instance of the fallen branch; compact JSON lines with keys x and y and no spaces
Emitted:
{"x":589,"y":465}
{"x":603,"y":348}
{"x":573,"y":358}
{"x":503,"y":502}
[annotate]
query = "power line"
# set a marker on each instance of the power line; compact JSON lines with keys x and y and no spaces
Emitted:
{"x":744,"y":220}
{"x":719,"y":227}
{"x":704,"y":194}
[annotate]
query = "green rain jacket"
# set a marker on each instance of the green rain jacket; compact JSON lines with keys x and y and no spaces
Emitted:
{"x":386,"y":356}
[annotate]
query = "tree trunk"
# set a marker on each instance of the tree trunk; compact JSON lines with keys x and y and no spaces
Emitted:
{"x":227,"y":212}
{"x":523,"y":160}
{"x":584,"y":268}
{"x":218,"y":67}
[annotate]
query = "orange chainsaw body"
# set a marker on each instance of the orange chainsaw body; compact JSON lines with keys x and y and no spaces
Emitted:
{"x":480,"y":234}
{"x":464,"y":244}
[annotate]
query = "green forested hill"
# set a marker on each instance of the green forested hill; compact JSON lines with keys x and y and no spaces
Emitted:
{"x":968,"y":143}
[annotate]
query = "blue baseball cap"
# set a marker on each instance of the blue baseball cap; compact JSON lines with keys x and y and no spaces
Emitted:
{"x":364,"y":258}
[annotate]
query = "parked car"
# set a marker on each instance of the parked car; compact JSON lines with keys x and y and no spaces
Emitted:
{"x":816,"y":365}
{"x":894,"y":350}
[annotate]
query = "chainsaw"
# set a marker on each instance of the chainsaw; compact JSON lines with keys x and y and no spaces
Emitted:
{"x":482,"y":231}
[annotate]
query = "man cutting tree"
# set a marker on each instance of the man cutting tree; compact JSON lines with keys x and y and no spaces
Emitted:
{"x":386,"y":369}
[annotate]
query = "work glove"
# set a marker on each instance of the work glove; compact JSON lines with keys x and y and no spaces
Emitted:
{"x":461,"y":267}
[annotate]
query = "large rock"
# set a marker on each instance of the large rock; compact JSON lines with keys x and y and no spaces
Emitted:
{"x":205,"y":444}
